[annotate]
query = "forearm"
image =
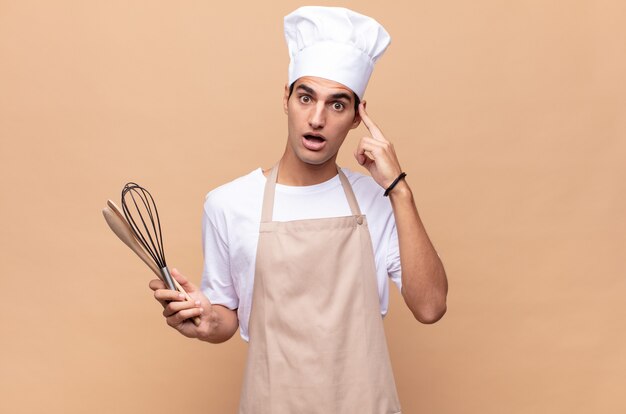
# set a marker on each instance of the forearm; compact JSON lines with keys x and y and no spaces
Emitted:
{"x":222,"y":325}
{"x":424,"y":282}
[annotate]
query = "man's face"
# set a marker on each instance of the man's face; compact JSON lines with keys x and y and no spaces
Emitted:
{"x":320,"y":113}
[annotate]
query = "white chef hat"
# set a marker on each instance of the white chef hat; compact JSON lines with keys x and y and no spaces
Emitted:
{"x":334,"y":43}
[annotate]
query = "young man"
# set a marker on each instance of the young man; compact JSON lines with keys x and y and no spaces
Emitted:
{"x":290,"y":257}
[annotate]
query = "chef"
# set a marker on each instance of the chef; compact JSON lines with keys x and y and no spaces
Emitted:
{"x":299,"y":256}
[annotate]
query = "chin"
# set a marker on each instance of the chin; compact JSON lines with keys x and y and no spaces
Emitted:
{"x":313,"y":160}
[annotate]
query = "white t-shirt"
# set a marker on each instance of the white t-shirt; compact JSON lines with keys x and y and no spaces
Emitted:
{"x":230,"y":232}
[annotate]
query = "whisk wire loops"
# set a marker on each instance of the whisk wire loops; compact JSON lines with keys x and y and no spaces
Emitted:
{"x":148,"y":231}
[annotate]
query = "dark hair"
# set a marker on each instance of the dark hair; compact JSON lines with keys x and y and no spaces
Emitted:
{"x":357,"y":101}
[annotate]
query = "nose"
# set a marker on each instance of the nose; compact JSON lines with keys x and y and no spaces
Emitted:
{"x":317,"y":117}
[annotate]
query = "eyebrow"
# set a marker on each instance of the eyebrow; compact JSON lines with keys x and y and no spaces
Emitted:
{"x":335,"y":96}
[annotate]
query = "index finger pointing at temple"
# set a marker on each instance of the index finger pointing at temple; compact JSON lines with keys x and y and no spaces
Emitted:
{"x":369,"y":124}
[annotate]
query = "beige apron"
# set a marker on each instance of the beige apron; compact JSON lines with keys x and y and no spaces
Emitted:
{"x":317,"y":343}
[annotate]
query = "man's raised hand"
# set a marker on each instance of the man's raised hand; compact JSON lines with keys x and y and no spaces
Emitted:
{"x":376,"y":153}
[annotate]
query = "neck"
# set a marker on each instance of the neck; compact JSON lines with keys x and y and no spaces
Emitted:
{"x":297,"y":173}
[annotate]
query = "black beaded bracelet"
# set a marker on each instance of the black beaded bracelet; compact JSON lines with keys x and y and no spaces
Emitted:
{"x":395,"y":182}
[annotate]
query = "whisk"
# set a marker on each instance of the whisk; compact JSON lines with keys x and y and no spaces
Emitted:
{"x":119,"y":225}
{"x":141,"y":213}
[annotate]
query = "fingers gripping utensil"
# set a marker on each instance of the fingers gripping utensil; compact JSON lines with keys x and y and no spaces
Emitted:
{"x":142,"y":215}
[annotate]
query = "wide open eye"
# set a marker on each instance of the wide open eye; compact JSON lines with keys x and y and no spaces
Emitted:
{"x":305,"y":99}
{"x":338,"y":106}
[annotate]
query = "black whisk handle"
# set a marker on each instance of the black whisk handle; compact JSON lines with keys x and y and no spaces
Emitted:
{"x":167,"y":278}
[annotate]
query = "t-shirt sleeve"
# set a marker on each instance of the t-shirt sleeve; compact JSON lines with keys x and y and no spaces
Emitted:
{"x":217,"y":282}
{"x":393,"y":258}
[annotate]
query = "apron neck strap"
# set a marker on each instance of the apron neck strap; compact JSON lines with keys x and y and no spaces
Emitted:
{"x":270,"y":188}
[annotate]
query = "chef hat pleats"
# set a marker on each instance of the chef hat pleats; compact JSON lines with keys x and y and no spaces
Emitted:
{"x":334,"y":43}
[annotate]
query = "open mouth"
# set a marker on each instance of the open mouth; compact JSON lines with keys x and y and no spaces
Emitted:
{"x":313,"y":142}
{"x":314,"y":138}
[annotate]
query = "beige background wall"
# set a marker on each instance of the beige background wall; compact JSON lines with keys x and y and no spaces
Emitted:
{"x":509,"y":117}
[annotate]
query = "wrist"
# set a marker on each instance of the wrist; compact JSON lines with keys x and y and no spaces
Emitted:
{"x":398,"y":180}
{"x":206,"y":331}
{"x":401,"y":191}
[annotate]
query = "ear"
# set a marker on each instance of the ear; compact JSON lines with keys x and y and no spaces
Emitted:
{"x":286,"y":99}
{"x":357,"y":117}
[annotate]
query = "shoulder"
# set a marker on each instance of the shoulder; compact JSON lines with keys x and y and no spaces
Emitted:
{"x":370,"y":196}
{"x":235,"y":193}
{"x":363,"y":185}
